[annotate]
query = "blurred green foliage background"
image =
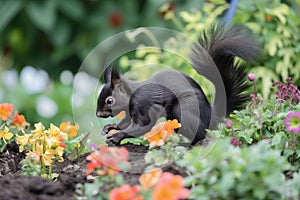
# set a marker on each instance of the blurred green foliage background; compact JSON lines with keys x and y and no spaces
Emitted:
{"x":43,"y":43}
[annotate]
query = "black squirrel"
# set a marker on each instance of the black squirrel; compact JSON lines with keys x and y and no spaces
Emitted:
{"x":175,"y":95}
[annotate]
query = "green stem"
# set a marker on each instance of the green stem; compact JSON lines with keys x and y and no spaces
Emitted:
{"x":50,"y":172}
{"x":148,"y":33}
{"x":177,"y":23}
{"x":43,"y":167}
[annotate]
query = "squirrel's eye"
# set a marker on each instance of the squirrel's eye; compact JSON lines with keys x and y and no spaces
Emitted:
{"x":110,"y":101}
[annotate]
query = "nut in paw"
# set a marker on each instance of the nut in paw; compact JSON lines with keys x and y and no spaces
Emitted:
{"x":107,"y":128}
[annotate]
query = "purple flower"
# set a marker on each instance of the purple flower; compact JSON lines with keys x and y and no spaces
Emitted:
{"x":292,"y":122}
{"x":251,"y":77}
{"x":235,"y":142}
{"x":287,"y":91}
{"x":93,"y":147}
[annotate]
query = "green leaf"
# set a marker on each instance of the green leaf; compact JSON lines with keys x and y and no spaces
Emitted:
{"x":281,"y":13}
{"x":190,"y":180}
{"x":282,"y":68}
{"x":42,"y":14}
{"x":278,"y":139}
{"x":190,"y":18}
{"x":8,"y":11}
{"x":61,"y":34}
{"x":267,"y":77}
{"x":78,"y":151}
{"x":135,"y":141}
{"x":245,"y":136}
{"x":73,"y":9}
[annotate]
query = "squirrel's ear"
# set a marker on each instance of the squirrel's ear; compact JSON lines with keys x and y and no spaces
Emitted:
{"x":115,"y":77}
{"x":107,"y":74}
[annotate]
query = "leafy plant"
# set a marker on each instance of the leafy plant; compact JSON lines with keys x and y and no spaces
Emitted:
{"x":275,"y":120}
{"x":30,"y":167}
{"x":164,"y":144}
{"x":167,"y":153}
{"x":230,"y":172}
{"x":276,"y":25}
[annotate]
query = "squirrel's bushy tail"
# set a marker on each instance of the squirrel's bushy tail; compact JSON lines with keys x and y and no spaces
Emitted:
{"x":219,"y":47}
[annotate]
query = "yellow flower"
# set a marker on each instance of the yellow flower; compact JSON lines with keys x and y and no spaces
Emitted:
{"x":63,"y":135}
{"x":77,"y":145}
{"x":39,"y":128}
{"x":59,"y":152}
{"x":38,"y":147}
{"x":37,"y":134}
{"x":47,"y":157}
{"x":54,"y":131}
{"x":5,"y":134}
{"x":52,"y":142}
{"x":22,"y":141}
{"x":54,"y":137}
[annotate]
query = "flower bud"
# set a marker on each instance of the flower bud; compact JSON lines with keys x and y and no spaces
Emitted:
{"x":235,"y":142}
{"x":251,"y":77}
{"x":228,"y":124}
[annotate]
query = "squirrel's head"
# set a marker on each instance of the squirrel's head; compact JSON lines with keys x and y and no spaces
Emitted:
{"x":113,"y":97}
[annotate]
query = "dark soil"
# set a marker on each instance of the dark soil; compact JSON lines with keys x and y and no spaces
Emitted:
{"x":71,"y":172}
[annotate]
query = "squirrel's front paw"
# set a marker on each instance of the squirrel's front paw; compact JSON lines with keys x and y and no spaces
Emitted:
{"x":116,"y":138}
{"x":109,"y":127}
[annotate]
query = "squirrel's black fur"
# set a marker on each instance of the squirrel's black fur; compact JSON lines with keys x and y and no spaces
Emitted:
{"x":175,"y":95}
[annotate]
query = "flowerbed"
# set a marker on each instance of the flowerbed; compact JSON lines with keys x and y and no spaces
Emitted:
{"x":253,"y":155}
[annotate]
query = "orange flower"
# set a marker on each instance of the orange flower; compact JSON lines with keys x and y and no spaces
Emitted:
{"x":170,"y":187}
{"x":18,"y":120}
{"x":125,"y":192}
{"x":107,"y":160}
{"x":5,"y":111}
{"x":68,"y":128}
{"x":149,"y":179}
{"x":170,"y":125}
{"x":158,"y":133}
{"x":63,"y":126}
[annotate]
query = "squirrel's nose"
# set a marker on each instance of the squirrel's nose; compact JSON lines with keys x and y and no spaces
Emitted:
{"x":98,"y":113}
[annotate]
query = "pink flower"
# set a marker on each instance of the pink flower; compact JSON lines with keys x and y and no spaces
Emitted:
{"x":292,"y":122}
{"x":251,"y":77}
{"x":107,"y":160}
{"x":228,"y":123}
